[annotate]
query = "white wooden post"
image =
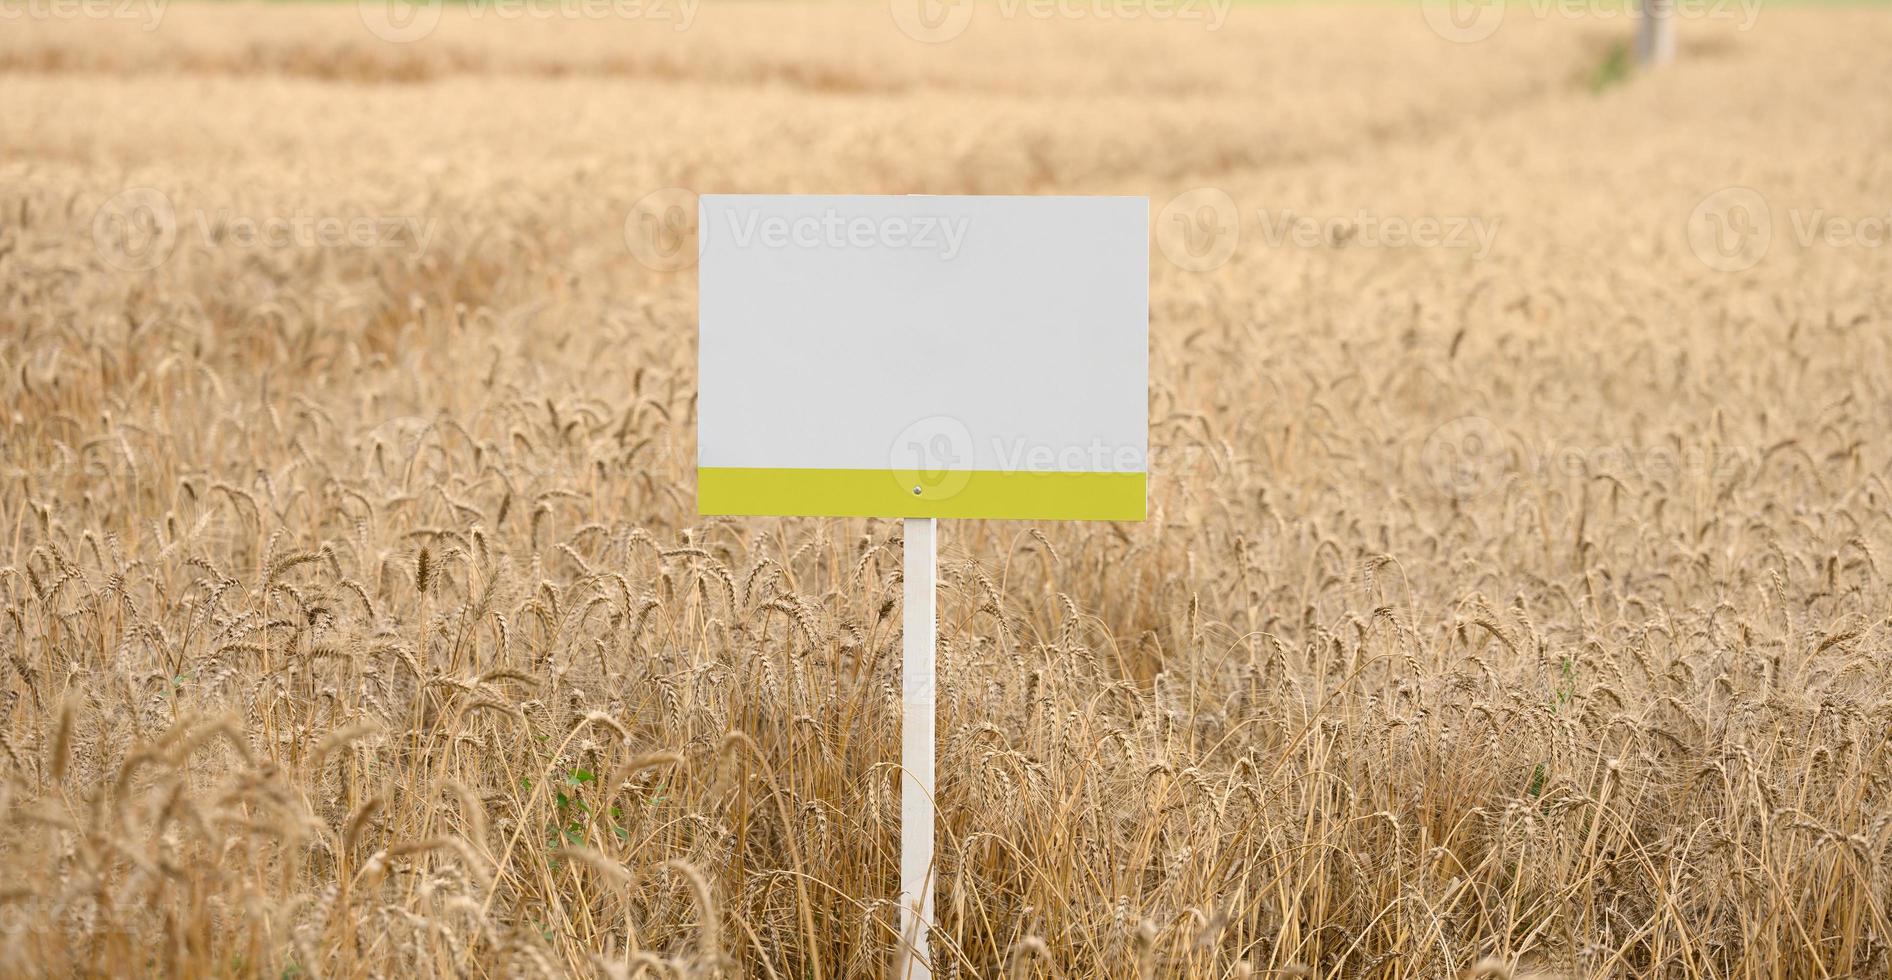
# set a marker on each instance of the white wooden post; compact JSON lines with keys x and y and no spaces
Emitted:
{"x":919,"y":625}
{"x":1655,"y":33}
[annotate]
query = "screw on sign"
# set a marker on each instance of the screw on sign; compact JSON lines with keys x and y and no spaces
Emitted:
{"x":945,"y":314}
{"x":932,"y":456}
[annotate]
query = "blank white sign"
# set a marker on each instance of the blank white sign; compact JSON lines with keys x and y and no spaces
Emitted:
{"x":923,"y":356}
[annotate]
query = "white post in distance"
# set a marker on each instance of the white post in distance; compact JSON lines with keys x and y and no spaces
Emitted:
{"x":919,"y":627}
{"x":1655,"y":33}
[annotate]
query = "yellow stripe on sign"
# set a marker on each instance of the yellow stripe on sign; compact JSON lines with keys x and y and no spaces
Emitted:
{"x":997,"y":494}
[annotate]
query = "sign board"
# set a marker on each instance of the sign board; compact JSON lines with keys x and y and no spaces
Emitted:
{"x":923,"y":356}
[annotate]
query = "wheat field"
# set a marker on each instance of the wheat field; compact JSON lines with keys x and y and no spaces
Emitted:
{"x":1514,"y":599}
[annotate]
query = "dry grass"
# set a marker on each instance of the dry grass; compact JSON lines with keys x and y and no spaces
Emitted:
{"x":357,"y":622}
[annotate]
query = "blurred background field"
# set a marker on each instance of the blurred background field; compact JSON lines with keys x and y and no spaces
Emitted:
{"x":1514,"y":599}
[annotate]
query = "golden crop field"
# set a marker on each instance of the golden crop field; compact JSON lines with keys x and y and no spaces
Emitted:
{"x":1516,"y":598}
